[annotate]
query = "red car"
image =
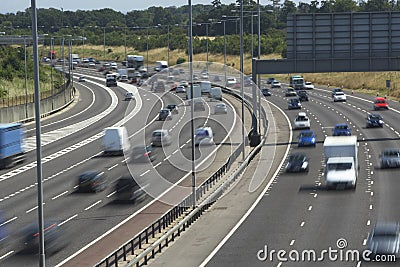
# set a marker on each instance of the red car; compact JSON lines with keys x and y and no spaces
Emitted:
{"x":380,"y":103}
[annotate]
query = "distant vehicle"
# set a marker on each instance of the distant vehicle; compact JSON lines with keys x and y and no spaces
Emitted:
{"x":115,"y":140}
{"x":247,"y":81}
{"x":92,"y":65}
{"x":170,"y":79}
{"x":127,"y":190}
{"x":390,"y":158}
{"x":335,"y":90}
{"x":199,"y":104}
{"x":196,"y":92}
{"x":204,"y":136}
{"x":380,"y":103}
{"x":111,"y":80}
{"x":341,"y":129}
{"x":294,"y":103}
{"x":82,"y":79}
{"x":161,"y":138}
{"x":276,"y":84}
{"x":384,"y":239}
{"x":129,"y":96}
{"x":303,"y":96}
{"x":114,"y":65}
{"x":266,"y":92}
{"x":134,"y":61}
{"x":270,"y":80}
{"x":159,"y":87}
{"x":297,"y":162}
{"x":297,"y":82}
{"x":374,"y":120}
{"x":302,"y":121}
{"x":216,"y":93}
{"x":123,"y":78}
{"x":220,"y":108}
{"x":161,"y":65}
{"x":231,"y":81}
{"x":290,"y":92}
{"x":12,"y":149}
{"x":173,"y":108}
{"x":92,"y":181}
{"x":204,"y":75}
{"x":308,"y":86}
{"x":339,"y":96}
{"x":164,"y":114}
{"x":341,"y":161}
{"x":306,"y":138}
{"x":142,"y":154}
{"x":180,"y":89}
{"x":217,"y":78}
{"x":205,"y":87}
{"x":184,"y":83}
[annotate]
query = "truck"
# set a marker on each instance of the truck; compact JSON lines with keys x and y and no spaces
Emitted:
{"x":160,"y":65}
{"x":134,"y":61}
{"x":341,"y":161}
{"x":111,"y":79}
{"x":12,"y":151}
{"x":216,"y":93}
{"x":297,"y":82}
{"x":205,"y":87}
{"x":115,"y":141}
{"x":196,"y":91}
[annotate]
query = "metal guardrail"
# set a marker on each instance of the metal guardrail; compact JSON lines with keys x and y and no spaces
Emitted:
{"x":142,"y":238}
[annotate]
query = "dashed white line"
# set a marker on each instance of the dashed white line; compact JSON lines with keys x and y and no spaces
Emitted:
{"x":182,"y":146}
{"x":292,"y":242}
{"x":59,"y":195}
{"x":364,"y":242}
{"x":175,"y":151}
{"x":109,"y":195}
{"x":112,"y":167}
{"x":302,"y":224}
{"x":158,"y":164}
{"x":5,"y":255}
{"x":67,"y":220}
{"x":370,"y":207}
{"x":144,"y":173}
{"x":10,"y":220}
{"x":167,"y":158}
{"x":368,"y":222}
{"x":310,"y":207}
{"x":94,"y":204}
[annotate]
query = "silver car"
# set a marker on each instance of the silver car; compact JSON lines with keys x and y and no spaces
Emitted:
{"x":220,"y":108}
{"x":390,"y":158}
{"x":384,"y":239}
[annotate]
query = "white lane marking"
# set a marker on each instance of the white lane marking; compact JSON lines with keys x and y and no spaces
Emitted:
{"x":182,"y":146}
{"x":112,"y":167}
{"x":368,"y":222}
{"x":67,"y":220}
{"x":109,"y":195}
{"x":167,"y":158}
{"x":371,"y":207}
{"x":310,"y":207}
{"x":94,"y":204}
{"x":127,"y":158}
{"x":292,"y":242}
{"x":144,"y":173}
{"x":5,"y":255}
{"x":302,"y":224}
{"x":32,"y":209}
{"x":279,"y":264}
{"x":158,"y":164}
{"x":175,"y":151}
{"x":364,"y":242}
{"x":59,"y":195}
{"x":10,"y":220}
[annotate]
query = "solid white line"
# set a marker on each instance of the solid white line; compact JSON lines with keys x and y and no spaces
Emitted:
{"x":10,"y":220}
{"x":63,"y":193}
{"x":112,"y":167}
{"x":219,"y":246}
{"x":94,"y":204}
{"x":67,"y":220}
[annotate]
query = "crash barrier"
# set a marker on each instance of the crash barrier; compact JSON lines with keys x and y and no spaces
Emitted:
{"x":143,"y":243}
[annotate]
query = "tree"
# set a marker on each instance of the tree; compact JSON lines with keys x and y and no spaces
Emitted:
{"x":345,"y":6}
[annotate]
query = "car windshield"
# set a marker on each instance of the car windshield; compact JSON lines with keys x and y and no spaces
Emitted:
{"x":391,"y":153}
{"x":158,"y":134}
{"x":296,"y":157}
{"x":339,"y":166}
{"x":301,"y":118}
{"x":164,"y":111}
{"x":339,"y":93}
{"x":294,"y":101}
{"x":308,"y":134}
{"x":375,"y":117}
{"x":202,"y":132}
{"x":308,"y":83}
{"x":342,"y":127}
{"x":380,"y":101}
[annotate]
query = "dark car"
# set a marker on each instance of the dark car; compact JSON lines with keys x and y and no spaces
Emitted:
{"x":384,"y":239}
{"x":302,"y":94}
{"x":266,"y":92}
{"x":127,"y":190}
{"x":390,"y":158}
{"x":341,"y":129}
{"x":173,"y":108}
{"x":294,"y":103}
{"x":199,"y":105}
{"x":297,"y":162}
{"x":290,"y":92}
{"x":55,"y":238}
{"x":92,"y":181}
{"x":142,"y":154}
{"x":270,"y":80}
{"x":374,"y":120}
{"x":164,"y":114}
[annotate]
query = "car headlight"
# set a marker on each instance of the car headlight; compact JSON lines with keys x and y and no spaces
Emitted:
{"x":304,"y":165}
{"x":313,"y":139}
{"x":380,"y":121}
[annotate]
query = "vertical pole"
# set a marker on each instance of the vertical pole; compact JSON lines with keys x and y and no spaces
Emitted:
{"x":258,"y":57}
{"x":252,"y":34}
{"x":104,"y":43}
{"x":125,"y":41}
{"x":51,"y":71}
{"x":225,"y":51}
{"x":147,"y":49}
{"x":207,"y":47}
{"x":168,"y":45}
{"x":38,"y":135}
{"x":191,"y":103}
{"x":26,"y":82}
{"x":241,"y":77}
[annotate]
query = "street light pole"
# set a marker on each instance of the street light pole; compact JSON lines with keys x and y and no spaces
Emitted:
{"x":147,"y":49}
{"x":207,"y":47}
{"x":241,"y":77}
{"x":26,"y":82}
{"x":104,"y":43}
{"x":168,"y":44}
{"x":259,"y":57}
{"x":225,"y":51}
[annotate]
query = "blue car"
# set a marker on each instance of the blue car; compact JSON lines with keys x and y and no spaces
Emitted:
{"x":341,"y":129}
{"x":306,"y":138}
{"x":294,"y":103}
{"x":374,"y":120}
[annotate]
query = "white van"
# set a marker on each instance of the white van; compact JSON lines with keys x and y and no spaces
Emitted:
{"x":115,"y":140}
{"x":216,"y":93}
{"x":204,"y":136}
{"x":205,"y":87}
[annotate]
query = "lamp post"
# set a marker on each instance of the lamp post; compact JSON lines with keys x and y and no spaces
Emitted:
{"x":259,"y":57}
{"x":224,"y":52}
{"x":241,"y":77}
{"x":104,"y":43}
{"x":147,"y":49}
{"x":26,"y":81}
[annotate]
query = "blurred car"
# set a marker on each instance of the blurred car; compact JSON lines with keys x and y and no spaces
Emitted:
{"x":92,"y":65}
{"x":164,"y":114}
{"x":384,"y":239}
{"x":266,"y":92}
{"x":217,"y":78}
{"x":339,"y":97}
{"x":270,"y":80}
{"x":114,"y":65}
{"x":204,"y":75}
{"x":184,"y":83}
{"x":161,"y":137}
{"x":199,"y":105}
{"x":306,"y":138}
{"x":92,"y":181}
{"x":335,"y":90}
{"x":374,"y":120}
{"x":55,"y":238}
{"x":142,"y":154}
{"x":341,"y":129}
{"x":231,"y":81}
{"x":302,"y":121}
{"x":204,"y":136}
{"x":380,"y":103}
{"x":220,"y":108}
{"x":276,"y":84}
{"x":129,"y":96}
{"x":82,"y":79}
{"x":180,"y":89}
{"x":297,"y":162}
{"x":173,"y":108}
{"x":390,"y":158}
{"x":294,"y":103}
{"x":127,"y":190}
{"x":247,"y":81}
{"x":308,"y":86}
{"x":290,"y":92}
{"x":303,"y":96}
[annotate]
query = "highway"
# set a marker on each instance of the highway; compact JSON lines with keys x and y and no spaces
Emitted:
{"x":72,"y":145}
{"x":298,"y":213}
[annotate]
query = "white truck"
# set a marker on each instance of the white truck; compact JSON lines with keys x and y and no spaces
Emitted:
{"x":216,"y":93}
{"x":115,"y":141}
{"x":205,"y":87}
{"x":341,"y":161}
{"x":196,"y":91}
{"x":160,"y":65}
